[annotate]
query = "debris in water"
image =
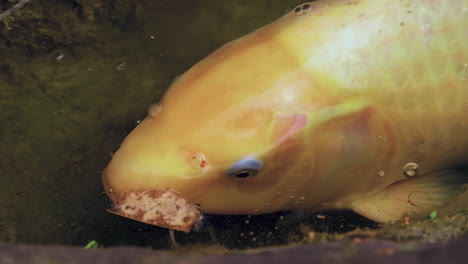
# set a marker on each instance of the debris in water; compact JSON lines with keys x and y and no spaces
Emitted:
{"x":120,"y":66}
{"x":160,"y":208}
{"x":92,"y":244}
{"x":174,"y":243}
{"x":407,"y":220}
{"x":59,"y":57}
{"x":361,"y":236}
{"x":11,"y":9}
{"x":320,"y":216}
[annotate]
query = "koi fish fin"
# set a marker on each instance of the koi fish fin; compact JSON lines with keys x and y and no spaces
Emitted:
{"x":415,"y":196}
{"x":348,"y":108}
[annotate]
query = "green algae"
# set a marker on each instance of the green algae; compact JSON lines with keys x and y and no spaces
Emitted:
{"x":91,"y":245}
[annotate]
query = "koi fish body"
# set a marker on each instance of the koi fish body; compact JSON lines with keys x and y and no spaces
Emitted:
{"x":338,"y":104}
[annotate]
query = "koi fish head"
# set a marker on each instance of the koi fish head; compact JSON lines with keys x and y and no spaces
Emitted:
{"x":234,"y":172}
{"x":223,"y":136}
{"x":229,"y":161}
{"x":229,"y":133}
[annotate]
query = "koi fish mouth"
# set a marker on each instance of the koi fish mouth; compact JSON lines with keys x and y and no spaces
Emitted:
{"x":160,"y":208}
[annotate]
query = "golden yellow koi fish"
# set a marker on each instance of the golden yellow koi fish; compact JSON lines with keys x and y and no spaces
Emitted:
{"x":355,"y":104}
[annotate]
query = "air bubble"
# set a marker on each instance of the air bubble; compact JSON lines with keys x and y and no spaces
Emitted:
{"x":154,"y":110}
{"x":411,"y":170}
{"x":381,"y":173}
{"x":298,"y":11}
{"x":306,"y":8}
{"x":303,"y":9}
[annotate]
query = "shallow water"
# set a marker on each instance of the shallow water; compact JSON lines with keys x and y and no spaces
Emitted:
{"x":67,"y":101}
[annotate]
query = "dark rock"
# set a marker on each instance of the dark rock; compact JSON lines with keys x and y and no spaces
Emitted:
{"x":374,"y":251}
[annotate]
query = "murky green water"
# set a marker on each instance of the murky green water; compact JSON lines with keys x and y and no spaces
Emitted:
{"x":75,"y":78}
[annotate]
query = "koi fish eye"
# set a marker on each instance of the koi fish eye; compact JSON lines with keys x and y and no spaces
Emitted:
{"x":244,"y":168}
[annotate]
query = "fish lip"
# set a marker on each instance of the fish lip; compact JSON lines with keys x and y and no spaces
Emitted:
{"x":163,"y":208}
